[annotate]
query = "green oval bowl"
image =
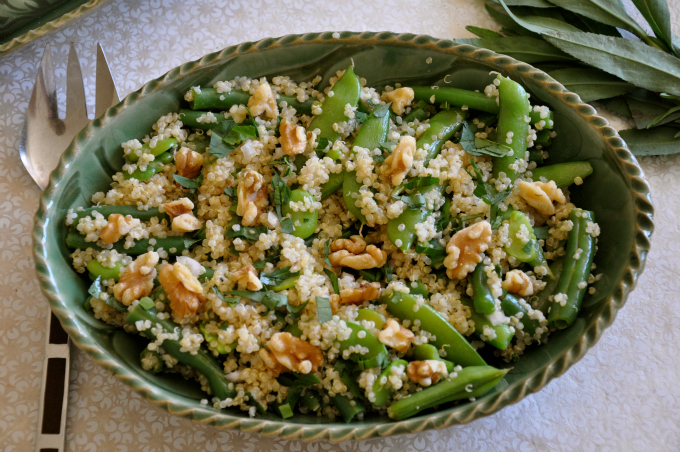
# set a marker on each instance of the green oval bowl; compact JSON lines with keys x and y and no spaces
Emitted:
{"x":616,"y":191}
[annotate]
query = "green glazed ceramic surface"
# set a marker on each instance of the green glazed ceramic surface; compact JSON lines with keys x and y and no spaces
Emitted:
{"x":616,"y":192}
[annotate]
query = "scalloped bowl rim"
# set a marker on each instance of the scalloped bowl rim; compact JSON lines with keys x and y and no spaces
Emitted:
{"x":339,"y":432}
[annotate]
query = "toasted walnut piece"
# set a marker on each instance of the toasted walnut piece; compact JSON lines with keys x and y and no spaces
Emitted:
{"x":271,"y":362}
{"x":427,"y":372}
{"x":182,"y":289}
{"x":365,"y":292}
{"x":540,"y":196}
{"x":396,"y":336}
{"x":263,"y":100}
{"x":137,"y":280}
{"x":186,"y":222}
{"x":293,"y":138}
{"x":252,"y":196}
{"x":400,"y":161}
{"x":517,"y":282}
{"x":355,"y":244}
{"x":188,"y":163}
{"x":464,"y":250}
{"x":295,"y":354}
{"x":372,"y":258}
{"x":400,"y":98}
{"x":178,"y":207}
{"x":117,"y":227}
{"x":247,"y":279}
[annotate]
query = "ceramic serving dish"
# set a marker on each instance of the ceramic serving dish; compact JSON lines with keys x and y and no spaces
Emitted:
{"x":616,"y":192}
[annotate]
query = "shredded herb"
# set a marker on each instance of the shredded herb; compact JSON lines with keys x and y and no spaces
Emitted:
{"x":434,"y":250}
{"x":326,"y":250}
{"x":296,"y":311}
{"x":96,"y":290}
{"x":191,"y":184}
{"x":323,"y":144}
{"x":334,"y":279}
{"x":323,"y":309}
{"x":488,"y":193}
{"x":249,"y":233}
{"x":230,"y":191}
{"x":271,"y":300}
{"x":360,"y":117}
{"x":478,"y":146}
{"x":277,"y":276}
{"x":231,"y":301}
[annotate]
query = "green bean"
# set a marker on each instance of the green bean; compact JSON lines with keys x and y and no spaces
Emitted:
{"x":372,"y":133}
{"x":133,"y":211}
{"x":446,"y":337}
{"x":209,"y":98}
{"x":190,"y":118}
{"x":377,"y":354}
{"x":97,"y":269}
{"x":345,"y":91}
{"x":311,"y":399}
{"x":536,"y":118}
{"x":463,"y":386}
{"x":154,"y":167}
{"x":577,"y":266}
{"x":512,"y":129}
{"x":371,"y":316}
{"x":443,"y":126}
{"x":503,"y":332}
{"x":543,"y":140}
{"x":484,"y":302}
{"x":210,"y":338}
{"x":335,"y":181}
{"x":563,"y":174}
{"x":539,"y":260}
{"x":423,"y":352}
{"x":348,"y":379}
{"x":536,"y":155}
{"x":148,"y":354}
{"x":404,"y":238}
{"x":457,"y":97}
{"x":304,"y":222}
{"x":523,"y":251}
{"x":202,"y":361}
{"x":173,"y":245}
{"x":349,"y":408}
{"x":161,"y":147}
{"x":512,"y":306}
{"x":383,"y":392}
{"x":542,"y":300}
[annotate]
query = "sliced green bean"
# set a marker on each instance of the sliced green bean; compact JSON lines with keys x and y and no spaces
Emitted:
{"x":377,"y":355}
{"x":345,"y":91}
{"x":209,"y":98}
{"x":543,"y":140}
{"x":456,"y":97}
{"x":155,"y":356}
{"x":511,"y":306}
{"x":503,"y":332}
{"x":536,"y":119}
{"x":304,"y":222}
{"x":542,"y":300}
{"x":536,"y":155}
{"x":512,"y":130}
{"x":154,"y":167}
{"x":311,"y":399}
{"x":210,"y":338}
{"x":191,"y":118}
{"x":349,"y":408}
{"x":462,"y":386}
{"x":161,"y":147}
{"x":563,"y":174}
{"x":286,"y":284}
{"x":133,"y":211}
{"x":419,"y":289}
{"x":484,"y":302}
{"x":519,"y":248}
{"x":383,"y":392}
{"x":97,"y":269}
{"x":577,"y":265}
{"x":173,"y":245}
{"x":202,"y":361}
{"x":446,"y":337}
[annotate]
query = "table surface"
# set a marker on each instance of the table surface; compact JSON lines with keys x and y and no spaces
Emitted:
{"x":621,"y":396}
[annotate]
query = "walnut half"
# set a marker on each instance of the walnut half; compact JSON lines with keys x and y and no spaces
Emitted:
{"x":295,"y":354}
{"x":182,"y":289}
{"x":252,"y":196}
{"x":293,"y":138}
{"x":365,"y":292}
{"x":117,"y":227}
{"x":427,"y":372}
{"x":262,"y":101}
{"x":400,"y":99}
{"x":137,"y":280}
{"x":396,"y":336}
{"x":188,"y":163}
{"x":246,"y":278}
{"x":540,"y":196}
{"x":400,"y":161}
{"x":517,"y":282}
{"x":464,"y":250}
{"x":372,"y":258}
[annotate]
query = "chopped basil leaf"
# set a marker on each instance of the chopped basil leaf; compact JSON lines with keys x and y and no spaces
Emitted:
{"x":323,"y":144}
{"x":360,"y":117}
{"x":287,"y":226}
{"x":326,"y":249}
{"x":487,"y":192}
{"x":96,"y":288}
{"x":323,"y":309}
{"x":387,"y":269}
{"x":296,"y":311}
{"x":382,"y":110}
{"x":230,"y":191}
{"x":231,"y":301}
{"x":96,"y":291}
{"x":413,"y":201}
{"x":478,"y":146}
{"x":259,"y":265}
{"x":305,"y":380}
{"x":249,"y":233}
{"x":191,"y":184}
{"x":371,"y":276}
{"x":421,"y":182}
{"x":277,"y":276}
{"x":218,"y":147}
{"x":434,"y":250}
{"x":528,"y":247}
{"x":271,"y":300}
{"x":334,"y":279}
{"x":280,"y":195}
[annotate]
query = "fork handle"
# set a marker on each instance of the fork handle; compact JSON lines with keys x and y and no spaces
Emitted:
{"x":54,"y":388}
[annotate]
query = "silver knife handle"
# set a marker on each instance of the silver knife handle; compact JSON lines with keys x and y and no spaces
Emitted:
{"x":54,"y":388}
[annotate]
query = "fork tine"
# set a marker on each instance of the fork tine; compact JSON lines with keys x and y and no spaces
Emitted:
{"x":76,"y":106}
{"x":106,"y":95}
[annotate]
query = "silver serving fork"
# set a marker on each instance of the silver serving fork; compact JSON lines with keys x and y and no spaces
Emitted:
{"x":44,"y":138}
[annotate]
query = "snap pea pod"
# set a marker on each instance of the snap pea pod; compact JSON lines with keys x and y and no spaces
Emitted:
{"x":423,"y":352}
{"x":192,"y":118}
{"x":201,"y":361}
{"x":349,"y":408}
{"x":457,"y":97}
{"x":345,"y":91}
{"x":372,"y":316}
{"x":523,"y":251}
{"x":484,"y":302}
{"x":152,"y":168}
{"x":383,"y":392}
{"x":372,"y":133}
{"x":335,"y":181}
{"x":473,"y":381}
{"x":404,"y":238}
{"x":512,"y":130}
{"x":419,"y":289}
{"x":563,"y":174}
{"x":577,"y":264}
{"x":443,"y":126}
{"x":511,"y":306}
{"x":97,"y":269}
{"x":173,"y":245}
{"x":304,"y":222}
{"x":161,"y":147}
{"x":542,"y":300}
{"x":377,"y":354}
{"x":133,"y":211}
{"x":503,"y":332}
{"x":209,"y":98}
{"x":458,"y":349}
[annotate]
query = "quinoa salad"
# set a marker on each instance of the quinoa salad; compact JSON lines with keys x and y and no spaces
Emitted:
{"x":341,"y":251}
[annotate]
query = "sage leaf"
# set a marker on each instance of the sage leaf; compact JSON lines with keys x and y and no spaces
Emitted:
{"x":590,"y":25}
{"x":645,"y":106}
{"x":632,"y":61}
{"x":483,"y":32}
{"x":669,"y":116}
{"x":591,"y":84}
{"x":609,"y":12}
{"x":532,"y":3}
{"x":617,"y":105}
{"x":500,"y":16}
{"x":524,"y":48}
{"x":658,"y":17}
{"x":538,"y":24}
{"x":656,"y":141}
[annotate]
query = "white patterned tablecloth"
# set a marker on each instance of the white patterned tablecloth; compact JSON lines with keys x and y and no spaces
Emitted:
{"x":624,"y":395}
